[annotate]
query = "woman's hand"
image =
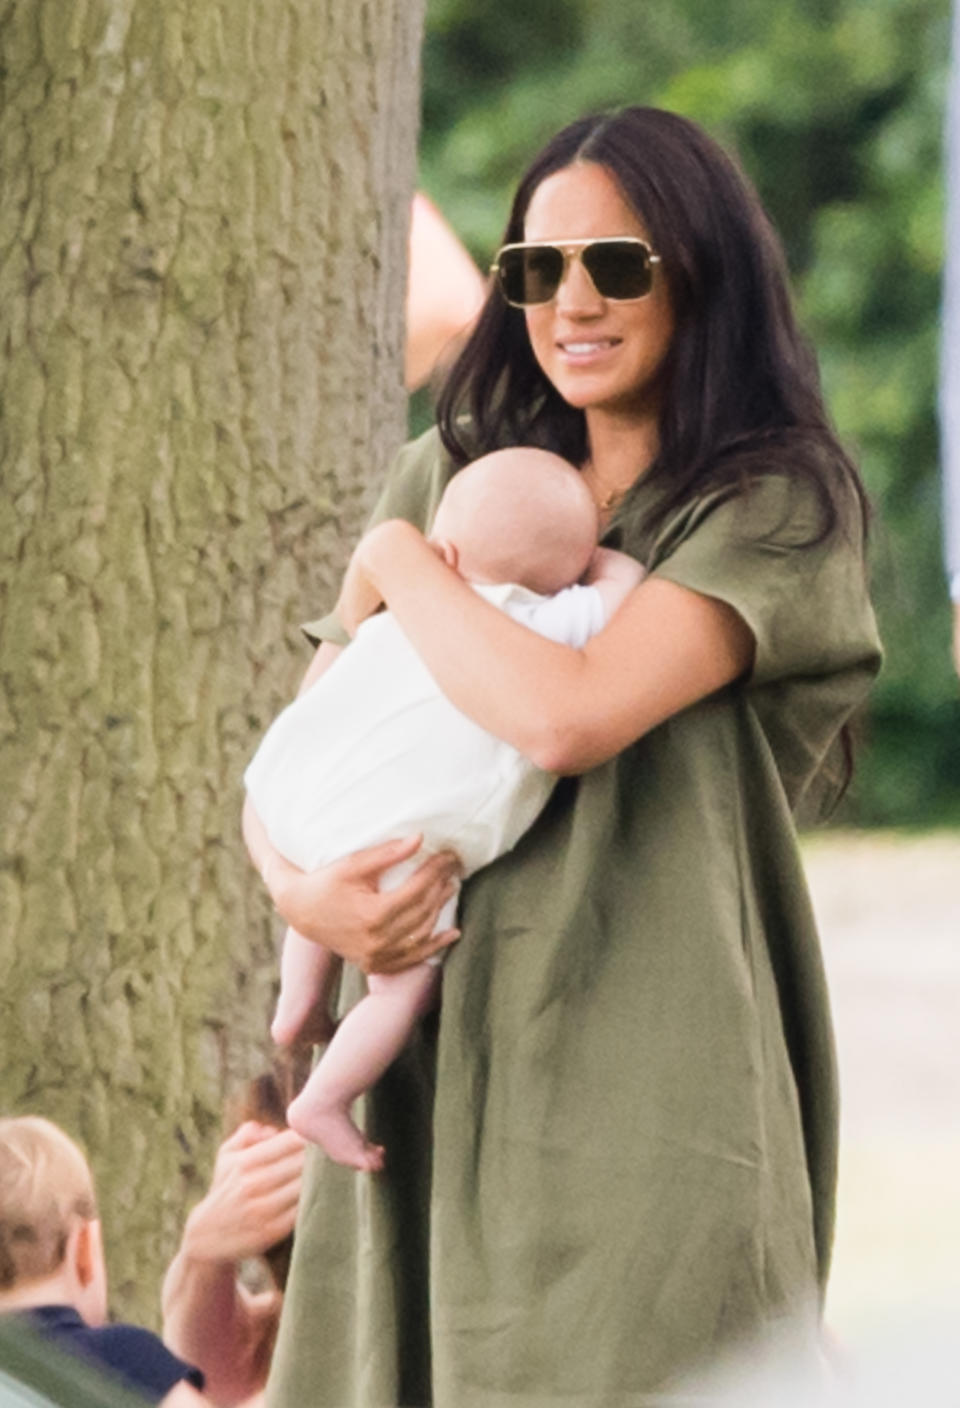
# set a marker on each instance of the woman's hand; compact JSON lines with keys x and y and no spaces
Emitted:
{"x":209,"y":1318}
{"x":252,"y":1200}
{"x":362,"y":592}
{"x":341,"y":906}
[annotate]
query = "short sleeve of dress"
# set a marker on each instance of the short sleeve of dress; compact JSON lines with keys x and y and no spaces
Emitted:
{"x":805,"y":602}
{"x":412,"y":490}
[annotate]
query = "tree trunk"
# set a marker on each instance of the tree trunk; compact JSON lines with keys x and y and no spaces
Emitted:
{"x":203,"y":223}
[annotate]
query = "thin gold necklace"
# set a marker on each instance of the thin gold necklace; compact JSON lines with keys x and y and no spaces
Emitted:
{"x":604,"y":502}
{"x":610,"y":500}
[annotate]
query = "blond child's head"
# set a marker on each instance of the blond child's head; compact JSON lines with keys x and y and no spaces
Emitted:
{"x":519,"y":515}
{"x":50,"y":1244}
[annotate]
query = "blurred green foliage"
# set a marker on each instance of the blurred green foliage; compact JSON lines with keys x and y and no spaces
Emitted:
{"x":836,"y":110}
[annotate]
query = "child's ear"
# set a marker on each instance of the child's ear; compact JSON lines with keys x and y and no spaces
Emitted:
{"x":82,"y":1251}
{"x":85,"y":1248}
{"x":447,"y":551}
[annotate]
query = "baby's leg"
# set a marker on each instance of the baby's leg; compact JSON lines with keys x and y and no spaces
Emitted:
{"x":369,"y":1038}
{"x":308,"y":972}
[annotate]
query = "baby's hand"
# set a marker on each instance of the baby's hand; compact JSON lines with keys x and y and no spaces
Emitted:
{"x":614,"y":574}
{"x":607,"y":564}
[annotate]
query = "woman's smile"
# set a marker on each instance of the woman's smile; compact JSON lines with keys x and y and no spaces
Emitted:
{"x":580,"y":351}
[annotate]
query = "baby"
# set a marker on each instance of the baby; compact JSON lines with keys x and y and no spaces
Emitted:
{"x":373,"y":751}
{"x":52,"y":1270}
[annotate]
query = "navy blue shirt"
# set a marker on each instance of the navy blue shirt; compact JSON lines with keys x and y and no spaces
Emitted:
{"x":138,"y":1357}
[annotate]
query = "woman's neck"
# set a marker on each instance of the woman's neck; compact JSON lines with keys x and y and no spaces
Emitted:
{"x":622,"y":449}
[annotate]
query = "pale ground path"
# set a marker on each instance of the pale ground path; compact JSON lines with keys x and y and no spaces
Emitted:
{"x":889,"y":913}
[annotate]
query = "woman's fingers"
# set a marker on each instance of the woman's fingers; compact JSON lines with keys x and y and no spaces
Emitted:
{"x":254,"y":1193}
{"x":276,"y":1162}
{"x":370,"y":863}
{"x":416,"y":950}
{"x":417,"y":918}
{"x":400,"y":922}
{"x":276,"y":1213}
{"x":425,"y":892}
{"x":413,"y":945}
{"x":405,"y":919}
{"x":342,"y":907}
{"x":248,"y":1133}
{"x":246,"y":1172}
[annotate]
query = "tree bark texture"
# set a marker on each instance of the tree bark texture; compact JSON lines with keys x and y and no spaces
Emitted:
{"x":203,"y":220}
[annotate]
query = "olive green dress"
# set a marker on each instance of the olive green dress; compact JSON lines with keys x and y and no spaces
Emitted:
{"x":631,"y":1081}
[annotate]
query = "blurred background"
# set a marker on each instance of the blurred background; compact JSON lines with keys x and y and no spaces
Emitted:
{"x":836,"y":108}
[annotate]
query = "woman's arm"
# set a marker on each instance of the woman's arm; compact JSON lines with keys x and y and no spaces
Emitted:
{"x":565,"y":709}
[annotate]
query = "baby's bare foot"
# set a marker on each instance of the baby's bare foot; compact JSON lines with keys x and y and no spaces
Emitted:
{"x":335,"y":1132}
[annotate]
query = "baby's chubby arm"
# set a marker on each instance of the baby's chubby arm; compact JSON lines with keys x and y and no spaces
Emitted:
{"x":614,"y":574}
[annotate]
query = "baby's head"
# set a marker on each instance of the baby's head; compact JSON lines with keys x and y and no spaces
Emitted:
{"x":519,"y":515}
{"x":50,"y":1244}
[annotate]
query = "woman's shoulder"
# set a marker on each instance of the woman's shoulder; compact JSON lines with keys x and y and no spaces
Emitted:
{"x":787,"y":492}
{"x":415,"y":480}
{"x":425,"y":455}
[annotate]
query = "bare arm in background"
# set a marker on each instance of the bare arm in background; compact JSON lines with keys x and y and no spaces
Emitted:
{"x":444,"y":294}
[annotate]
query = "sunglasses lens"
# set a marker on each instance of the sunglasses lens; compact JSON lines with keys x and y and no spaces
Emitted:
{"x":530,"y":274}
{"x":619,"y":268}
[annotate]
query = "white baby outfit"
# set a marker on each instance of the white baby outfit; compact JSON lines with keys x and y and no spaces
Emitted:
{"x":374,"y":751}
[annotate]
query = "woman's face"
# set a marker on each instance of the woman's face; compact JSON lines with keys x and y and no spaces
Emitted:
{"x":600,"y":354}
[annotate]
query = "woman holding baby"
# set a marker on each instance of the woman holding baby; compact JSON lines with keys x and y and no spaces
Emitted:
{"x":612,"y":1157}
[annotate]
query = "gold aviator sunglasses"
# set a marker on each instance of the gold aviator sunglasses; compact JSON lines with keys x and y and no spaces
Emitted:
{"x":619,"y":267}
